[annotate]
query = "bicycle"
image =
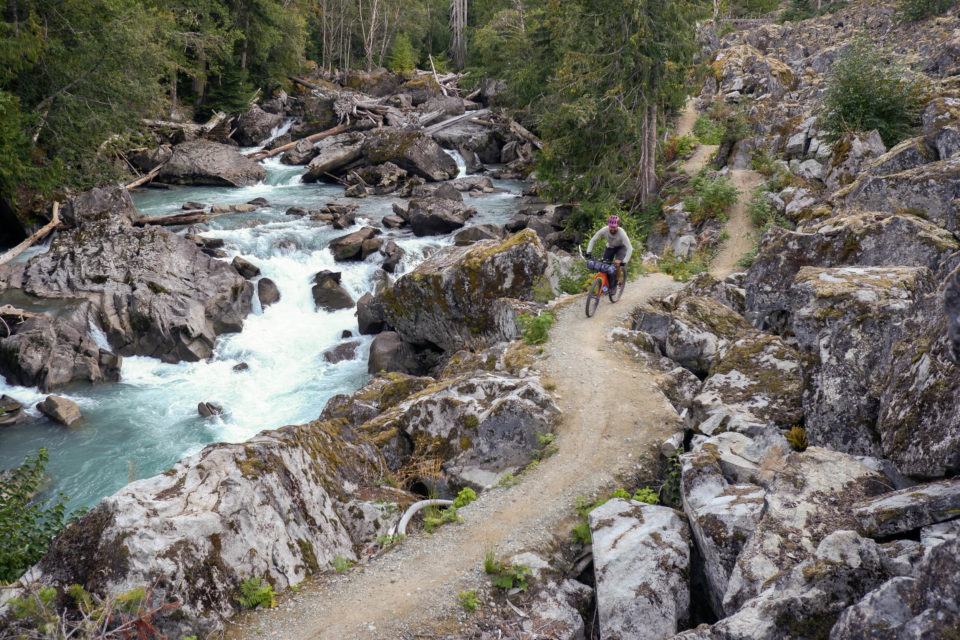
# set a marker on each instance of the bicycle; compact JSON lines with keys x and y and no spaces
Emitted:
{"x":601,"y":282}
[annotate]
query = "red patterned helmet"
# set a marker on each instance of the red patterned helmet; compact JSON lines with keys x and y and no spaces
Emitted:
{"x":613,"y":222}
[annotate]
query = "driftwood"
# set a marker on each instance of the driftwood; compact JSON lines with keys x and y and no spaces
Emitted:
{"x":430,"y":118}
{"x":263,"y":154}
{"x":174,"y":219}
{"x":210,"y":125}
{"x":521,"y":132}
{"x":435,"y":78}
{"x":10,"y":314}
{"x":145,"y":178}
{"x":40,"y":233}
{"x":453,"y":120}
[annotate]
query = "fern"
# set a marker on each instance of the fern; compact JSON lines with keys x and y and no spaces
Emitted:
{"x":254,"y":593}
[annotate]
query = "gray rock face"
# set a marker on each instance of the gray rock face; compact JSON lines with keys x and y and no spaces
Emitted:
{"x":479,"y":426}
{"x":841,"y":402}
{"x":947,"y":141}
{"x":99,"y":204}
{"x":382,"y":178}
{"x":453,"y":299}
{"x":381,"y":393}
{"x":11,"y":411}
{"x":389,"y":352}
{"x":899,"y":512}
{"x":60,"y":409}
{"x":302,"y":153}
{"x":809,"y":498}
{"x":331,"y":158}
{"x":921,"y":605}
{"x":909,"y":154}
{"x":556,"y":602}
{"x":480,"y":232}
{"x":153,"y":292}
{"x":245,"y":268}
{"x":370,"y":315}
{"x":951,"y":307}
{"x":272,"y":506}
{"x":328,"y":293}
{"x":267,"y":292}
{"x":255,"y":125}
{"x":850,"y":154}
{"x":51,"y":353}
{"x":341,"y":352}
{"x":641,"y":556}
{"x":412,"y":151}
{"x":471,"y":136}
{"x":861,"y":239}
{"x":202,"y":162}
{"x":437,"y":215}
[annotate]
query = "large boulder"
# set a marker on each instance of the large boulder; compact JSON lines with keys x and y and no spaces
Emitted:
{"x":482,"y":140}
{"x":255,"y":125}
{"x":389,"y":352}
{"x":437,"y":215}
{"x":412,"y":151}
{"x":454,"y":298}
{"x":745,"y":70}
{"x":328,"y":293}
{"x":202,"y":162}
{"x":331,"y":157}
{"x":850,"y":154}
{"x":868,"y":240}
{"x":556,"y":602}
{"x":60,"y":409}
{"x":900,"y":512}
{"x":641,"y":556}
{"x":274,"y":506}
{"x":851,"y":319}
{"x":302,"y":153}
{"x":153,"y":292}
{"x":476,"y":426}
{"x":351,"y":246}
{"x":99,"y":204}
{"x":381,"y":393}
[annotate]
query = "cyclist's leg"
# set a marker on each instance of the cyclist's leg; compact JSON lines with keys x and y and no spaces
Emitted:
{"x":619,"y":255}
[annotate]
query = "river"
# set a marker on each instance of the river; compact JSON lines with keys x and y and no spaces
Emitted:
{"x":142,"y":425}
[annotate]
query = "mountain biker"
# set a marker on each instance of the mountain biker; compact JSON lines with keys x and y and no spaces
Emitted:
{"x":618,"y":248}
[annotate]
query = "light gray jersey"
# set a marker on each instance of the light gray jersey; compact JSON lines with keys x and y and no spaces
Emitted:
{"x":618,"y":239}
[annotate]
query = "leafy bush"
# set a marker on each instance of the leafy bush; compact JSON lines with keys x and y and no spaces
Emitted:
{"x":465,"y":497}
{"x":708,"y":131}
{"x":682,"y":269}
{"x":341,"y":564}
{"x":759,"y":209}
{"x":712,"y":195}
{"x":867,"y":92}
{"x":255,"y":593}
{"x":670,"y":491}
{"x":26,"y":527}
{"x":677,"y":147}
{"x":802,"y":9}
{"x":763,"y":162}
{"x":402,"y":57}
{"x":914,"y":10}
{"x":505,"y":576}
{"x":577,"y":279}
{"x":535,"y":329}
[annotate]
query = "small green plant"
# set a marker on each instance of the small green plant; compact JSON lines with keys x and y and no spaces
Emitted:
{"x":915,"y":10}
{"x":677,"y":147}
{"x":620,"y":493}
{"x":254,"y":592}
{"x":647,"y":495}
{"x":535,"y":329}
{"x":468,"y":600}
{"x":708,"y":131}
{"x":797,"y":437}
{"x":385,"y":542}
{"x":867,"y":91}
{"x":577,"y":279}
{"x":341,"y":564}
{"x":759,"y":209}
{"x":763,"y":162}
{"x":747,"y":260}
{"x":548,"y":446}
{"x":431,"y":522}
{"x":542,"y":291}
{"x":712,"y":195}
{"x":682,"y":269}
{"x":507,"y":480}
{"x":581,"y":533}
{"x":670,"y":491}
{"x":505,"y":576}
{"x":464,"y":497}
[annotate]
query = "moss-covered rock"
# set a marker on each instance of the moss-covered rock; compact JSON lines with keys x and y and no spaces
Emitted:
{"x":413,"y":151}
{"x":455,"y":298}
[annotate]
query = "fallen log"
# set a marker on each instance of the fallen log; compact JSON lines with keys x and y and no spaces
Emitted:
{"x":303,"y":83}
{"x":526,"y":135}
{"x":145,"y":178}
{"x":263,"y":154}
{"x":430,"y":118}
{"x":174,"y":219}
{"x":11,"y":314}
{"x":446,"y":123}
{"x":37,"y":235}
{"x":435,"y":78}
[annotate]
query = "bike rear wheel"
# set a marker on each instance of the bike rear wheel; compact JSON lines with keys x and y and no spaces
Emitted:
{"x":593,"y":296}
{"x":617,"y":291}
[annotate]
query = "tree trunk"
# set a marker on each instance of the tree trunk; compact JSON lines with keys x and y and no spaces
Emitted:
{"x":11,"y":14}
{"x":41,"y":233}
{"x":458,"y":23}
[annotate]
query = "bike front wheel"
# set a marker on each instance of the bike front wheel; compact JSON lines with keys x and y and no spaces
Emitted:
{"x":617,"y":291}
{"x":593,"y":296}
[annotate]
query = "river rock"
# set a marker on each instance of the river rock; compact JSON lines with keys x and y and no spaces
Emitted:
{"x":452,"y":299}
{"x":60,"y":409}
{"x":153,"y":292}
{"x":98,"y":205}
{"x":51,"y":353}
{"x":841,"y":400}
{"x":370,"y":315}
{"x":393,"y":221}
{"x":690,"y":329}
{"x":809,"y":498}
{"x":267,"y":292}
{"x":867,"y":240}
{"x":350,"y":246}
{"x":919,"y":605}
{"x":392,"y":254}
{"x":245,"y":268}
{"x":389,"y":352}
{"x":413,"y":151}
{"x":233,"y":208}
{"x":272,"y":506}
{"x":341,"y":352}
{"x":202,"y":162}
{"x":328,"y":293}
{"x":900,"y":512}
{"x":255,"y":125}
{"x":383,"y":178}
{"x":850,"y":155}
{"x":477,"y":233}
{"x":437,"y":215}
{"x":641,"y":556}
{"x":333,"y":154}
{"x":11,"y":411}
{"x":478,"y":426}
{"x":209,"y":409}
{"x":302,"y":153}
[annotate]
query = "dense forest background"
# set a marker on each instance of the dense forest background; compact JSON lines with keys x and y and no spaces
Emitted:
{"x":592,"y":77}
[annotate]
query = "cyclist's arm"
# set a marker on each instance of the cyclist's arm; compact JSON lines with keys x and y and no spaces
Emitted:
{"x":626,"y":241}
{"x":593,"y":240}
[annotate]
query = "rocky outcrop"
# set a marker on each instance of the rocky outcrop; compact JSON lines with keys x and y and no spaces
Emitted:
{"x":641,"y":556}
{"x":477,"y":427}
{"x":851,"y":153}
{"x":556,"y":602}
{"x":389,"y":352}
{"x":59,"y":409}
{"x":275,"y":506}
{"x":901,"y":512}
{"x":255,"y":125}
{"x":456,"y":298}
{"x":341,"y":352}
{"x":202,"y":162}
{"x":413,"y":151}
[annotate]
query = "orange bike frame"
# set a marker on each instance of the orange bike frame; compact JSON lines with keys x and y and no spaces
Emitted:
{"x":603,"y":278}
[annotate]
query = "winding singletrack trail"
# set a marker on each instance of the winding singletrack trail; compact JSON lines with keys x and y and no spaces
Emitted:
{"x":614,"y":419}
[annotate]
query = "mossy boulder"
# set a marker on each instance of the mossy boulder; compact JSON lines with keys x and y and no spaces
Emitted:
{"x":455,"y":298}
{"x":909,"y":154}
{"x":744,"y":69}
{"x":850,"y":154}
{"x":412,"y":151}
{"x":255,"y":125}
{"x":383,"y":392}
{"x":202,"y":162}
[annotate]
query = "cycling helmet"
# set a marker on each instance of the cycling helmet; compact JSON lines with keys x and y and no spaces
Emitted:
{"x":613,"y":222}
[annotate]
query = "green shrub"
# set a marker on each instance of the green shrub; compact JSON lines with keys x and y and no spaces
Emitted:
{"x":548,"y":445}
{"x":577,"y":279}
{"x":505,"y":576}
{"x":677,"y":147}
{"x":682,"y":269}
{"x":465,"y":497}
{"x":670,"y":491}
{"x":759,"y":209}
{"x":254,"y":592}
{"x":402,"y":57}
{"x":341,"y":564}
{"x":535,"y":329}
{"x":647,"y":495}
{"x":914,"y":10}
{"x":867,"y":92}
{"x":468,"y":600}
{"x":26,"y":527}
{"x":801,"y":10}
{"x":763,"y":162}
{"x":708,"y":131}
{"x":737,"y":127}
{"x":712,"y":195}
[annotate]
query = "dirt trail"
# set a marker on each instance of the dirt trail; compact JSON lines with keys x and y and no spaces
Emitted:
{"x":598,"y":439}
